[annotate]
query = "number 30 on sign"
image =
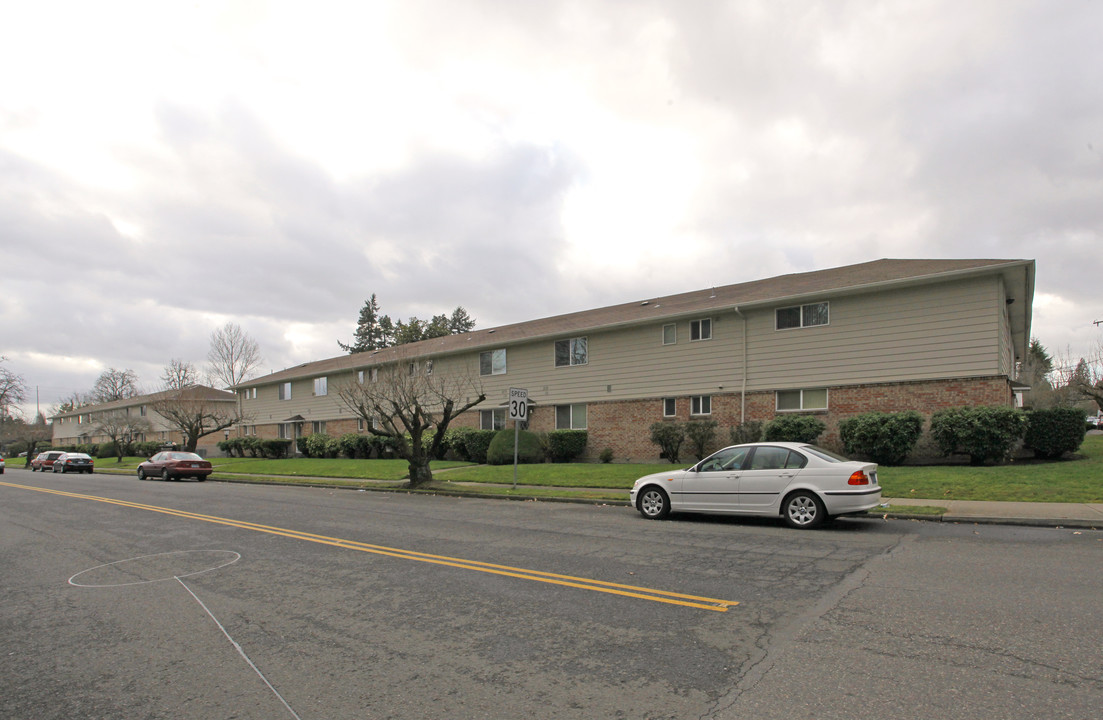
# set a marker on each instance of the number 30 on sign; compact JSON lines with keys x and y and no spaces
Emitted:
{"x":518,"y":404}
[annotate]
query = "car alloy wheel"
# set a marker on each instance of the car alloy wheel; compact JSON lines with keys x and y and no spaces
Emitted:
{"x":165,"y":475}
{"x":654,"y":504}
{"x":804,"y":510}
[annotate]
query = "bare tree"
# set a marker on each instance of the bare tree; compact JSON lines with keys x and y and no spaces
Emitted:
{"x":1080,"y":380}
{"x":30,"y":434}
{"x":179,"y":375}
{"x":233,"y":357}
{"x":404,"y":405}
{"x":121,"y":427}
{"x":13,"y":391}
{"x":196,"y":412}
{"x":114,"y":384}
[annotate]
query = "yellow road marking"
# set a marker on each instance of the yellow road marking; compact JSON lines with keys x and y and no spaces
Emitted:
{"x":663,"y":596}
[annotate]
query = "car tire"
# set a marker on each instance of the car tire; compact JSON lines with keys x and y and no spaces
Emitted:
{"x":803,"y":510}
{"x":165,"y":475}
{"x":200,"y":478}
{"x":141,"y":474}
{"x":653,"y":503}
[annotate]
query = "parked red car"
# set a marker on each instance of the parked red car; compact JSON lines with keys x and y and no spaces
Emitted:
{"x":173,"y":464}
{"x":45,"y":461}
{"x":74,"y":462}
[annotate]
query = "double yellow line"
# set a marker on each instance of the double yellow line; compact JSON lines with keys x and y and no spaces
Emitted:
{"x":632,"y":591}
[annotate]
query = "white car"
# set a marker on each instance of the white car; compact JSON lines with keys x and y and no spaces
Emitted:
{"x":802,"y":483}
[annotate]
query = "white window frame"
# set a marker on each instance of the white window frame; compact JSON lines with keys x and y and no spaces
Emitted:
{"x":702,"y":328}
{"x":670,"y":407}
{"x":496,"y":362}
{"x":700,"y":405}
{"x":497,"y":417}
{"x":572,"y":414}
{"x":321,"y":386}
{"x":318,"y":427}
{"x":428,"y":367}
{"x":803,"y":408}
{"x":360,"y":376}
{"x":573,"y":345}
{"x":804,"y":315}
{"x":284,"y":391}
{"x":673,"y":334}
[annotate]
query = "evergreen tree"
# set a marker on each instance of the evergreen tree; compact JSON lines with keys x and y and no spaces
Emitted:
{"x":370,"y":333}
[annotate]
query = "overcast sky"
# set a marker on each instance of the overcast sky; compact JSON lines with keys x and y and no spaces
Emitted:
{"x":168,"y":166}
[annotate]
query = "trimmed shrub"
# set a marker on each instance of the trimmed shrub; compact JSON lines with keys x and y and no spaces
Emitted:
{"x":1055,"y":431}
{"x":273,"y":449}
{"x":606,"y":456}
{"x":746,"y":432}
{"x":456,"y":440}
{"x":701,"y":435}
{"x":500,"y":450}
{"x":566,"y":445}
{"x":319,"y":445}
{"x":884,"y":438}
{"x":982,"y":433}
{"x":669,"y":436}
{"x":355,"y":446}
{"x":476,"y":444}
{"x":793,"y":428}
{"x":106,"y":450}
{"x":147,"y":449}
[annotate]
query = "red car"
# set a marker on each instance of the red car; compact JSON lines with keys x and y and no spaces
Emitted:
{"x":45,"y":461}
{"x":74,"y":462}
{"x":173,"y":464}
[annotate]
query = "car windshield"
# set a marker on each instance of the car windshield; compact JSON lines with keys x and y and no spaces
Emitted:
{"x":823,"y":454}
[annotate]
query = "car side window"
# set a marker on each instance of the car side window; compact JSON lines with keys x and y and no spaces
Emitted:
{"x":769,"y":458}
{"x":727,"y":459}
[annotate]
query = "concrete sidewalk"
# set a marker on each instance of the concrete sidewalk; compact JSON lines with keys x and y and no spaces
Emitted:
{"x":1082,"y":515}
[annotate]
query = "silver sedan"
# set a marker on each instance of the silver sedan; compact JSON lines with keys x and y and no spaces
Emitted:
{"x":802,"y":483}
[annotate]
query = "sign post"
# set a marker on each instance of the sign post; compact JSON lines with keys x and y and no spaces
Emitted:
{"x":518,"y":413}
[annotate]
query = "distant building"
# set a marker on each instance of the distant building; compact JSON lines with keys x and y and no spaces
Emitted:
{"x":886,"y":335}
{"x":80,"y":426}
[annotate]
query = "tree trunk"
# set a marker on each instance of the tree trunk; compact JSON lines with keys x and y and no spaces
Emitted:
{"x":420,"y":474}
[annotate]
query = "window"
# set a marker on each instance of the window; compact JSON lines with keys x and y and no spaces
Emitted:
{"x":142,"y":409}
{"x":570,"y":417}
{"x":321,"y":386}
{"x":318,"y":427}
{"x":700,"y":329}
{"x":374,"y":374}
{"x":285,"y":391}
{"x":360,"y":421}
{"x":284,"y":431}
{"x":360,"y":377}
{"x":492,"y":419}
{"x":492,"y":362}
{"x":800,"y":316}
{"x":670,"y":334}
{"x":775,"y":458}
{"x":670,"y":407}
{"x":570,"y":352}
{"x":428,"y":367}
{"x":700,"y":405}
{"x":813,"y":399}
{"x":413,"y":369}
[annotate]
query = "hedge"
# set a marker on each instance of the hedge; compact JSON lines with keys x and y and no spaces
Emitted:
{"x":793,"y":428}
{"x":566,"y":445}
{"x":1052,"y":432}
{"x":529,"y":448}
{"x":982,"y":433}
{"x":884,"y":438}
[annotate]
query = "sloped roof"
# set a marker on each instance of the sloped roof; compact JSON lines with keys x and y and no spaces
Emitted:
{"x":195,"y":392}
{"x":863,"y":277}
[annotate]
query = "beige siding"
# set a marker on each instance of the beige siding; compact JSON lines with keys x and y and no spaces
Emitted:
{"x":942,"y":331}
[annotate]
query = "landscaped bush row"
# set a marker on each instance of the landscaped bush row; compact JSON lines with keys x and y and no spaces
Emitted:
{"x":985,"y":434}
{"x":108,"y":449}
{"x":255,"y":447}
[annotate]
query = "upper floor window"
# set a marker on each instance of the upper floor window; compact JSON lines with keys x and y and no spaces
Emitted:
{"x":670,"y":334}
{"x":428,"y":367}
{"x":700,"y":329}
{"x":285,"y":391}
{"x":570,"y":352}
{"x":360,"y":376}
{"x":321,"y":386}
{"x":492,"y":362}
{"x":811,"y":399}
{"x":800,"y":316}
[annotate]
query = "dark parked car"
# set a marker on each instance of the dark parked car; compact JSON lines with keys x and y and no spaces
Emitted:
{"x":74,"y":462}
{"x":45,"y":461}
{"x":173,"y":464}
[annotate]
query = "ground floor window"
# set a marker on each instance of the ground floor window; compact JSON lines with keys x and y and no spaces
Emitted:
{"x":319,"y":427}
{"x":811,"y":399}
{"x":492,"y":419}
{"x":700,"y":405}
{"x":670,"y":407}
{"x":570,"y":417}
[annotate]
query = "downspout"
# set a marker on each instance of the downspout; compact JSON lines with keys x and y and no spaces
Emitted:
{"x":743,"y":387}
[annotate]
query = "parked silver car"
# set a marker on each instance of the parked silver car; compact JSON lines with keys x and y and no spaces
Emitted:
{"x":802,"y":483}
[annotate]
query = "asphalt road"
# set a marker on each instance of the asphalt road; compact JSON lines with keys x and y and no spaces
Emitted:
{"x":128,"y":599}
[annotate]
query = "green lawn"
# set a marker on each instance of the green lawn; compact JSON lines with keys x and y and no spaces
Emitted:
{"x":1079,"y":479}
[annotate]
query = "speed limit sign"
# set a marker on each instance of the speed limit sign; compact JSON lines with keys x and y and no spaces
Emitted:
{"x":518,"y":404}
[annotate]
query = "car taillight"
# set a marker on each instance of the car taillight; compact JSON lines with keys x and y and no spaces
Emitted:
{"x":858,"y":478}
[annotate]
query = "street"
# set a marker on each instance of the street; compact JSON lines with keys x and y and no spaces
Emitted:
{"x":129,"y":599}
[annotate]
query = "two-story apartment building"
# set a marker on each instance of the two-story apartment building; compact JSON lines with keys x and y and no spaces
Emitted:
{"x":87,"y":424}
{"x":886,"y":335}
